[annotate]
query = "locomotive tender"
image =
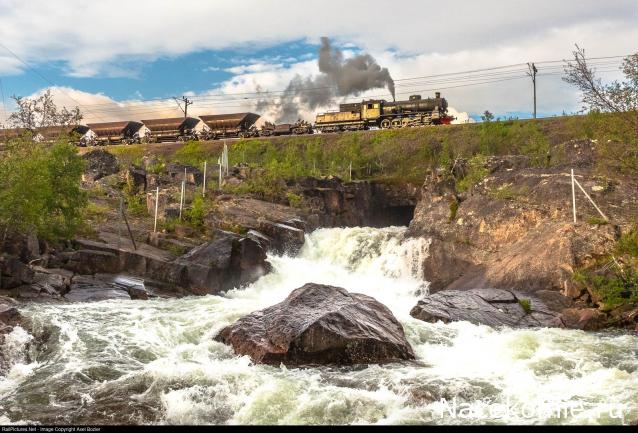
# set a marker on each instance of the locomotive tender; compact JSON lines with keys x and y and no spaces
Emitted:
{"x":385,"y":115}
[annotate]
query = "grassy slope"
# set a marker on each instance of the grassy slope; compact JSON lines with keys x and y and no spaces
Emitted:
{"x":394,"y":155}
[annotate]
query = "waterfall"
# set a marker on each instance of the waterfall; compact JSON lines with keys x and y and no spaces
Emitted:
{"x":156,"y":362}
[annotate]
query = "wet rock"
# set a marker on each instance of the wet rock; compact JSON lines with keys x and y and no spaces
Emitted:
{"x":587,"y":319}
{"x":285,"y":238}
{"x":492,"y":307}
{"x":52,"y":280}
{"x":230,"y":260}
{"x":89,"y":289}
{"x":318,"y":324}
{"x":14,"y":273}
{"x":99,"y":164}
{"x":9,"y":317}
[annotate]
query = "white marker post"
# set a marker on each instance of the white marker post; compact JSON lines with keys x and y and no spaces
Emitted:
{"x":204,"y":184}
{"x":573,"y":196}
{"x":219,"y":163}
{"x":350,"y":171}
{"x":156,"y":209}
{"x":181,"y":200}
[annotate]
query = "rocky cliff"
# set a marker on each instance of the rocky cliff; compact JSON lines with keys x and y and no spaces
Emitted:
{"x":513,"y":229}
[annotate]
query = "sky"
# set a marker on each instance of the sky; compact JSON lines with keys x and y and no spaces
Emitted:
{"x":126,"y":59}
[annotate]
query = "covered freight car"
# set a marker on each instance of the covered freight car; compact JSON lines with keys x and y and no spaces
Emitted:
{"x":52,"y":133}
{"x":171,"y":129}
{"x":230,"y":125}
{"x":126,"y":132}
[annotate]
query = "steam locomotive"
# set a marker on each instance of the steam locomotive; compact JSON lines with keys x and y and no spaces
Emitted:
{"x":385,"y":115}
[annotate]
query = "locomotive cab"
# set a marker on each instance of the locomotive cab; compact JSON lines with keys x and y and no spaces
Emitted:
{"x":371,"y":110}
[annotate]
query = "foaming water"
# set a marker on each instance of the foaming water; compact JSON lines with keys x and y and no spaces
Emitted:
{"x":156,"y":362}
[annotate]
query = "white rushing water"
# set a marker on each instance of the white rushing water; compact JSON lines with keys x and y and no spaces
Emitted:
{"x":156,"y":362}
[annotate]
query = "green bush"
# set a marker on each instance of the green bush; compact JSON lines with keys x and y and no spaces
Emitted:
{"x":526,"y":304}
{"x":40,"y":189}
{"x":454,"y":207}
{"x":476,"y":172}
{"x":128,"y":155}
{"x":193,"y":153}
{"x":197,"y":212}
{"x":294,"y":200}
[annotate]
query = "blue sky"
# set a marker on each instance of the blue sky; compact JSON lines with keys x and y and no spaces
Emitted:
{"x":164,"y":77}
{"x":98,"y":56}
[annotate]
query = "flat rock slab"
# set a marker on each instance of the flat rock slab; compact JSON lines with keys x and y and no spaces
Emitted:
{"x":87,"y":289}
{"x":492,"y":307}
{"x":318,"y":324}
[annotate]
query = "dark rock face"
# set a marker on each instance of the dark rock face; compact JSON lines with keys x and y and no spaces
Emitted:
{"x":284,"y":237}
{"x":228,"y":261}
{"x":14,"y":273}
{"x":492,"y":307}
{"x":332,"y":202}
{"x":99,"y":164}
{"x":9,"y":316}
{"x":318,"y":324}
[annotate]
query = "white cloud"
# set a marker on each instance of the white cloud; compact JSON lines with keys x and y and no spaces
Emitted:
{"x":96,"y":37}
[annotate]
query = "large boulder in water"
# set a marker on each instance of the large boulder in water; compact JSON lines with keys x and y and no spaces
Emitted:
{"x":492,"y":307}
{"x":318,"y":324}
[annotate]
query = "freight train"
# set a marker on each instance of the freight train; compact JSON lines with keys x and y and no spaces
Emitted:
{"x":373,"y":113}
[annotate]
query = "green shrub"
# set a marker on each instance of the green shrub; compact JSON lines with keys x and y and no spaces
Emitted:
{"x":197,"y":212}
{"x":526,"y":304}
{"x":628,"y":243}
{"x":454,"y":207}
{"x":597,"y":221}
{"x":40,"y":189}
{"x":294,"y":200}
{"x":136,"y":205}
{"x":476,"y":172}
{"x":193,"y":153}
{"x":128,"y":155}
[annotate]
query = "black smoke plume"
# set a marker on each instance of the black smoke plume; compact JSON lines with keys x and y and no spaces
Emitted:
{"x":339,"y":77}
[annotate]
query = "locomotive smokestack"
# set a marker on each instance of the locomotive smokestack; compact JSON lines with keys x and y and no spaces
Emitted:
{"x":437,"y":95}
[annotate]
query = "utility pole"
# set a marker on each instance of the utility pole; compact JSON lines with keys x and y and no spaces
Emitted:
{"x":186,"y":102}
{"x":532,"y":73}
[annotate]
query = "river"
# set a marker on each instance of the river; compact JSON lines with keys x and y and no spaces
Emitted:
{"x":156,"y":362}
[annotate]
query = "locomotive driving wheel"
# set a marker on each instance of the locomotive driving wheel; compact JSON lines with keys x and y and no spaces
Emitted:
{"x":385,"y":124}
{"x":396,"y":123}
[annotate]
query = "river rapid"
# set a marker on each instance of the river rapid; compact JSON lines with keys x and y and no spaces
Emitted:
{"x":156,"y":362}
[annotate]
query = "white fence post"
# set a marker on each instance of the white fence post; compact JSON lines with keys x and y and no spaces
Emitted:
{"x":573,"y":196}
{"x":181,"y":199}
{"x":219,"y":163}
{"x":156,"y":209}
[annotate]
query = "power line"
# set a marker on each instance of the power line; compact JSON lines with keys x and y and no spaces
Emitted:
{"x":42,"y":76}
